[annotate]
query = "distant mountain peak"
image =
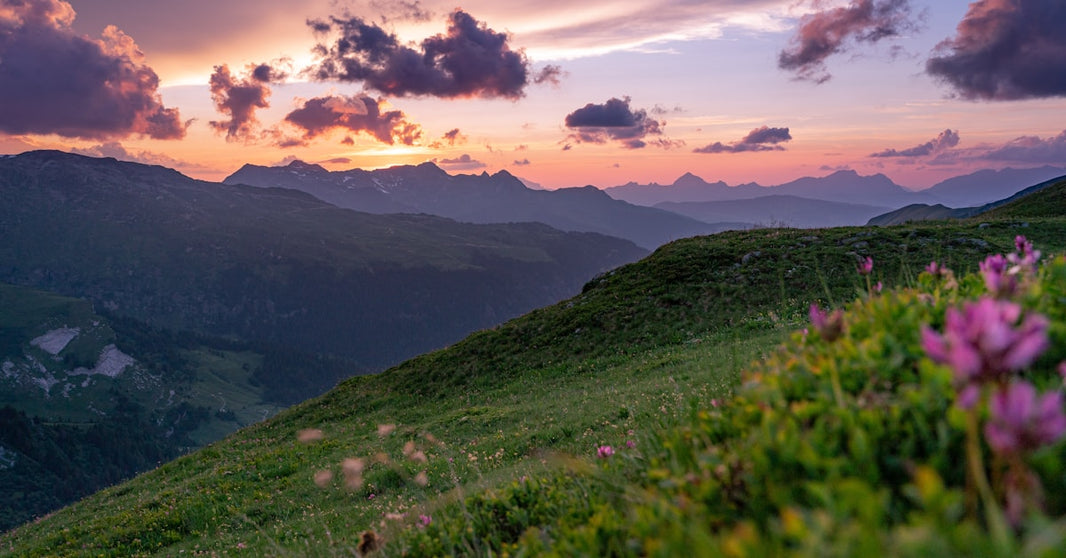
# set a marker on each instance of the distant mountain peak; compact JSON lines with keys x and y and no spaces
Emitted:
{"x":301,"y":165}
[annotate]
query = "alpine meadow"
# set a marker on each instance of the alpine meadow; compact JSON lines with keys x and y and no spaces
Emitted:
{"x":641,"y":278}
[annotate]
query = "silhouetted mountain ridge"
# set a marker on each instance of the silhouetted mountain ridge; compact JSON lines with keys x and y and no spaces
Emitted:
{"x":479,"y":198}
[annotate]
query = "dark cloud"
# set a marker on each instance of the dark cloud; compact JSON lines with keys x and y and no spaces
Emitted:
{"x":337,"y":161}
{"x":946,"y":140}
{"x":469,"y":60}
{"x":463,"y":162}
{"x":1006,"y":50}
{"x":828,"y":32}
{"x":613,"y":120}
{"x":521,"y":163}
{"x":363,"y":113}
{"x":1031,"y":149}
{"x":54,"y":81}
{"x":240,"y":97}
{"x":451,"y":137}
{"x":759,"y":139}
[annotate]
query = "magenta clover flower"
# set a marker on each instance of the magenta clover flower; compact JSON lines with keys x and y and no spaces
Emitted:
{"x":981,"y":344}
{"x":829,"y":326}
{"x":1025,"y":256}
{"x":866,"y":267}
{"x":604,"y":452}
{"x":998,"y":277}
{"x":424,"y":520}
{"x":1020,"y":420}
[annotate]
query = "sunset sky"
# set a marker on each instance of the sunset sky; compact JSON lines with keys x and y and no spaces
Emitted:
{"x":561,"y":93}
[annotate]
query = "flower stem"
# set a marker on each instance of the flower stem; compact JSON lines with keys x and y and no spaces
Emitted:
{"x":993,"y":515}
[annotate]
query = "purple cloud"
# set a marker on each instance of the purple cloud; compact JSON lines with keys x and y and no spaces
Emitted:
{"x":759,"y":139}
{"x":463,"y":162}
{"x":54,"y":81}
{"x":828,"y":32}
{"x":613,"y":120}
{"x":469,"y":60}
{"x":521,"y":162}
{"x":1031,"y":149}
{"x":1005,"y":50}
{"x":322,"y":115}
{"x":946,"y":140}
{"x":239,"y":98}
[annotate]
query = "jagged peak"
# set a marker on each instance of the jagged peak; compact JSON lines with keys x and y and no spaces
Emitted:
{"x":297,"y":164}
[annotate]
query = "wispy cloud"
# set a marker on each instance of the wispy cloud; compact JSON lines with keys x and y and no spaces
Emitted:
{"x":946,"y":140}
{"x":56,"y":81}
{"x":828,"y":32}
{"x":764,"y":138}
{"x":1006,"y":50}
{"x":118,"y":151}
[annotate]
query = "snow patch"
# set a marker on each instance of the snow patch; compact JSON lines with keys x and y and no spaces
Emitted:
{"x":111,"y":363}
{"x":8,"y":368}
{"x":8,"y":458}
{"x":56,"y":340}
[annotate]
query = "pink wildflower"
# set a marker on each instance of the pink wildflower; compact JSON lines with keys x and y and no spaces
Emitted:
{"x":829,"y":326}
{"x":878,"y":287}
{"x":933,"y":269}
{"x":982,"y":343}
{"x":998,"y":279}
{"x":866,"y":266}
{"x":631,"y":444}
{"x":1020,"y":420}
{"x":604,"y":452}
{"x":1025,"y":255}
{"x":424,"y":520}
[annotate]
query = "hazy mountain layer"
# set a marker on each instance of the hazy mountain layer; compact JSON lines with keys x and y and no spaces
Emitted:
{"x":499,"y":198}
{"x":973,"y":189}
{"x":779,"y":211}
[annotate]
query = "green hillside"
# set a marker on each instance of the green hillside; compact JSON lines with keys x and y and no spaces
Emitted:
{"x":1047,"y":202}
{"x":88,"y":400}
{"x":493,"y":439}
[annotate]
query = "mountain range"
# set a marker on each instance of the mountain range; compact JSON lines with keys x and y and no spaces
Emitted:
{"x":276,"y":265}
{"x":483,"y":198}
{"x":846,"y":186}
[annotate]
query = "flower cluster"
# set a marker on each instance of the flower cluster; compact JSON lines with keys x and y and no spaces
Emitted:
{"x":987,"y":345}
{"x":1002,"y":274}
{"x":983,"y":345}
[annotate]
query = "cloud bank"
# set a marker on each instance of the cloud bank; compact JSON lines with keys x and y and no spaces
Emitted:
{"x":613,"y":120}
{"x":362,"y":113}
{"x":54,"y":81}
{"x":946,"y":140}
{"x":468,"y":60}
{"x":830,"y":32}
{"x":1006,"y":50}
{"x":1031,"y":149}
{"x":759,"y":139}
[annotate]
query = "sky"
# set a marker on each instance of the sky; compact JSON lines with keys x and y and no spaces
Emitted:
{"x":560,"y":93}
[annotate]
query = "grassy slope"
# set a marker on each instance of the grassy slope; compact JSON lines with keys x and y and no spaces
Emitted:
{"x":636,"y":348}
